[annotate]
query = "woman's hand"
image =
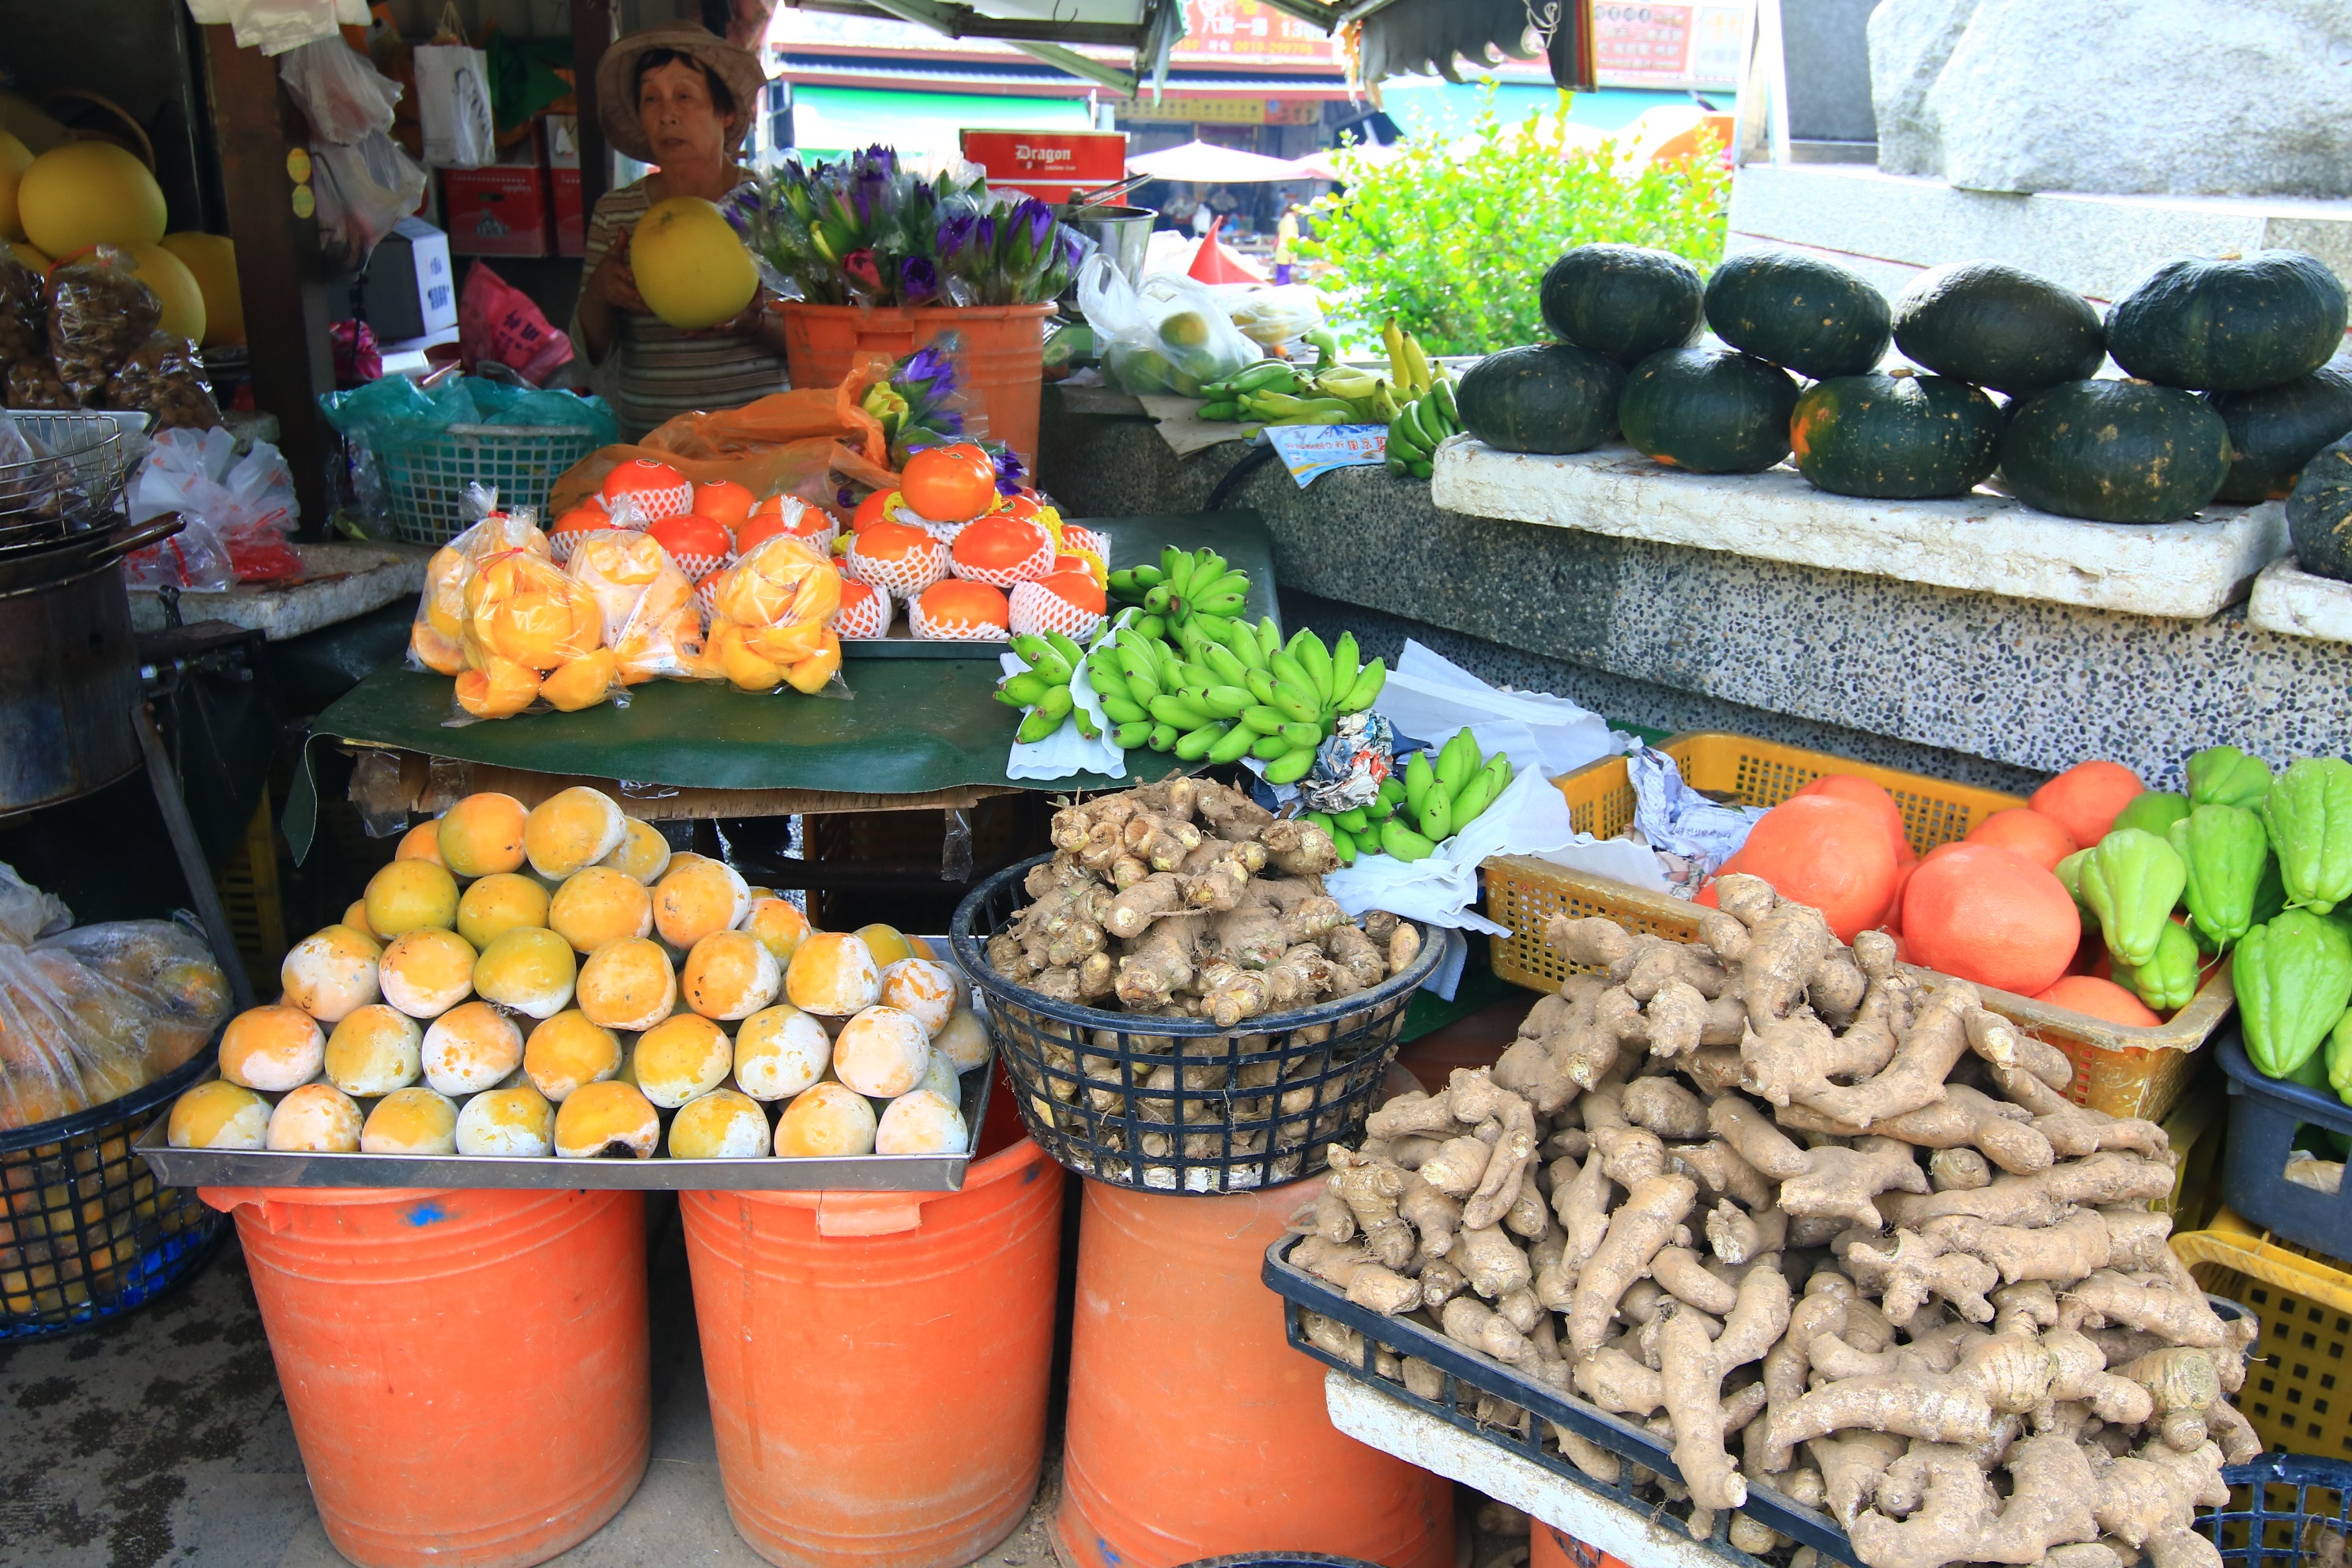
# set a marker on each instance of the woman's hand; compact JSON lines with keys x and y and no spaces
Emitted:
{"x":755,"y":322}
{"x":615,"y":282}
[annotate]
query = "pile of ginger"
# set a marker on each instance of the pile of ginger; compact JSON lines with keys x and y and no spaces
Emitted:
{"x":1827,"y":1226}
{"x":1187,"y":900}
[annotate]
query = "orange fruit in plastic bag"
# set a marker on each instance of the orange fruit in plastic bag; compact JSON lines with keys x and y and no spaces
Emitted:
{"x":440,"y":654}
{"x":784,"y":582}
{"x":810,"y":675}
{"x":740,"y":664}
{"x":2040,"y":838}
{"x":950,"y":484}
{"x":521,"y":607}
{"x":500,"y":689}
{"x":2086,"y":798}
{"x":482,"y":835}
{"x":664,"y":645}
{"x":583,"y":682}
{"x":725,"y":503}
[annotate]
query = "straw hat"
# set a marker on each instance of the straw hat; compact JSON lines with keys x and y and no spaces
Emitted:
{"x":616,"y":82}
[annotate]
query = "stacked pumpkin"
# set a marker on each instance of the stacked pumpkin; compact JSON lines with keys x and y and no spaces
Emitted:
{"x":2227,"y":392}
{"x":968,"y":564}
{"x":556,"y":981}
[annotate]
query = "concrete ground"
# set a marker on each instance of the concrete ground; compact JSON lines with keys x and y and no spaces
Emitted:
{"x":159,"y":1441}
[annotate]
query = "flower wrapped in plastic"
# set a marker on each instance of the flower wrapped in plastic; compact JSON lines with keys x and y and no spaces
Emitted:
{"x":531,"y":632}
{"x":770,"y":628}
{"x":644,"y":602}
{"x":436,"y":638}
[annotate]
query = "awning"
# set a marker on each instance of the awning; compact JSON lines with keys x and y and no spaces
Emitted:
{"x":1203,"y":164}
{"x":829,"y":120}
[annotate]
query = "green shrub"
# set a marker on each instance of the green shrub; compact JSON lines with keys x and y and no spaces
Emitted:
{"x":1454,"y":247}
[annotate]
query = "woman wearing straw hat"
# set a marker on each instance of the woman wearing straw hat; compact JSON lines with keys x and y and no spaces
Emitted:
{"x":680,"y":99}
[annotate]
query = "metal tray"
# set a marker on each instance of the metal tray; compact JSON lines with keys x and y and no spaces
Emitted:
{"x":1468,"y":1372}
{"x":852,"y":1172}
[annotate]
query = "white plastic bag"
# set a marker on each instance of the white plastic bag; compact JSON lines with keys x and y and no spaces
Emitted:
{"x":1170,"y":336}
{"x":363,"y":190}
{"x":1065,"y":752}
{"x":453,"y":101}
{"x":1271,"y":315}
{"x":342,"y":95}
{"x":232,"y":506}
{"x":274,"y":27}
{"x":193,"y":560}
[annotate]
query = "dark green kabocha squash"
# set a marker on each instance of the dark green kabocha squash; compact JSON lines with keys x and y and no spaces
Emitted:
{"x":2319,"y":514}
{"x":1551,"y":398}
{"x":1709,"y":409}
{"x":2232,"y":323}
{"x":2275,"y":430}
{"x":1896,"y":437}
{"x":1624,"y":301}
{"x":1997,"y":326}
{"x":2115,"y":451}
{"x":1799,"y":310}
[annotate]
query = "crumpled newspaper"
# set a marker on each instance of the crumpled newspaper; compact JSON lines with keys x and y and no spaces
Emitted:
{"x":1692,"y":835}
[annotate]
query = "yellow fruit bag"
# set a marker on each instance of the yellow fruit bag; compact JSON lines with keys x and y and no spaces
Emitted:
{"x":769,"y":626}
{"x":530,"y":633}
{"x":650,"y":623}
{"x":436,"y":636}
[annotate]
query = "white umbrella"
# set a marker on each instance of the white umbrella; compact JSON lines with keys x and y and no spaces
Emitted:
{"x":1202,"y":164}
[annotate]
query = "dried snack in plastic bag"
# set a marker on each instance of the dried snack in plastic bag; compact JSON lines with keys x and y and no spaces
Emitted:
{"x":770,"y":626}
{"x":163,"y":377}
{"x":435,"y":635}
{"x":531,"y":632}
{"x":99,"y":313}
{"x":33,"y":384}
{"x":645,"y":601}
{"x":24,"y":308}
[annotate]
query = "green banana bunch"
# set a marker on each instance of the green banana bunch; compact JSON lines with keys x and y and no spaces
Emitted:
{"x":1227,"y":399}
{"x":1417,"y":428}
{"x":1441,"y":795}
{"x":1284,"y":408}
{"x":1363,"y":829}
{"x":1225,"y":689}
{"x":1043,"y":689}
{"x":1181,"y":587}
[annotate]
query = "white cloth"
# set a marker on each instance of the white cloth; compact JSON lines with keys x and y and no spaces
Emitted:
{"x":1428,"y":696}
{"x":1065,"y":752}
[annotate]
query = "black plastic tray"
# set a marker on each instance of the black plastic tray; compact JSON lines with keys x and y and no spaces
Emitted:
{"x":1468,"y":1372}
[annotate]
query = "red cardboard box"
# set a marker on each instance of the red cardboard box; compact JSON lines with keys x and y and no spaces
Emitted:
{"x":1048,"y":165}
{"x":570,"y":223}
{"x":498,"y":211}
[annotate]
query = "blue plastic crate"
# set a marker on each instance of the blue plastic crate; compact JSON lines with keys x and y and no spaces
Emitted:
{"x":2263,"y":1116}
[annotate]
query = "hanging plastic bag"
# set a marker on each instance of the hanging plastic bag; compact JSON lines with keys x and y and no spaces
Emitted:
{"x":770,"y":628}
{"x":163,"y":377}
{"x":644,"y":603}
{"x":437,"y":635}
{"x":274,"y":27}
{"x":452,"y":103}
{"x":363,"y":189}
{"x":497,"y":322}
{"x":99,"y":312}
{"x":340,"y":92}
{"x":1169,"y":336}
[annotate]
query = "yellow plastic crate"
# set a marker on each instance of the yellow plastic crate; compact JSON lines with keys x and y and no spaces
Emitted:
{"x":2296,"y":1395}
{"x":2119,"y":1069}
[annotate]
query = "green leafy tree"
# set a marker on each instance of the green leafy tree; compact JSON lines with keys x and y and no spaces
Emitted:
{"x":1454,"y":243}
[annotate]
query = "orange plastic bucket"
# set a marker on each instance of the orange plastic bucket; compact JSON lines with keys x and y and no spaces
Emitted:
{"x":878,"y":1363}
{"x":1549,"y":1546}
{"x":466,"y":1372}
{"x":1002,"y":364}
{"x":1194,"y":1429}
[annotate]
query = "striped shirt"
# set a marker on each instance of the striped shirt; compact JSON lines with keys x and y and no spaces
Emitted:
{"x":652,"y":372}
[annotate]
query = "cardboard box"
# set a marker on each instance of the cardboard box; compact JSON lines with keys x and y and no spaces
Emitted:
{"x":1047,"y":165}
{"x":410,"y":289}
{"x":497,"y":211}
{"x":570,"y":223}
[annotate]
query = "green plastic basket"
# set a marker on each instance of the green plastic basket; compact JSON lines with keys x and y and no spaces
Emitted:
{"x":426,"y":484}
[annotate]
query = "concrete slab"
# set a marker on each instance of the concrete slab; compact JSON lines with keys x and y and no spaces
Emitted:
{"x":1984,"y":543}
{"x":338,"y":582}
{"x":2294,"y":603}
{"x":2096,"y":245}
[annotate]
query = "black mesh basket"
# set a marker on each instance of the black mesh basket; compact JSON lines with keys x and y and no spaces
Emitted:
{"x":86,"y":1231}
{"x":1247,"y":1110}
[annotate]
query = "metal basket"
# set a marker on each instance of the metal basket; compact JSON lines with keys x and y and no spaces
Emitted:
{"x":87,"y":1232}
{"x":1251,"y":1109}
{"x":426,"y":484}
{"x":2283,"y":1509}
{"x":82,"y":456}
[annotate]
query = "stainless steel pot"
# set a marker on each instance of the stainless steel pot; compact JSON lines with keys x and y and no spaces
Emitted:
{"x":1124,"y":232}
{"x":69,"y":666}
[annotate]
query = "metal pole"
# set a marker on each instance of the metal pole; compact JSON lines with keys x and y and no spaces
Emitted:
{"x":192,"y":869}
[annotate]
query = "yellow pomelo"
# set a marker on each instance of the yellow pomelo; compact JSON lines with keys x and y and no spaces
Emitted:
{"x":212,"y":258}
{"x":174,"y":287}
{"x":94,"y":193}
{"x":29,"y":254}
{"x":691,"y":267}
{"x":14,"y":159}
